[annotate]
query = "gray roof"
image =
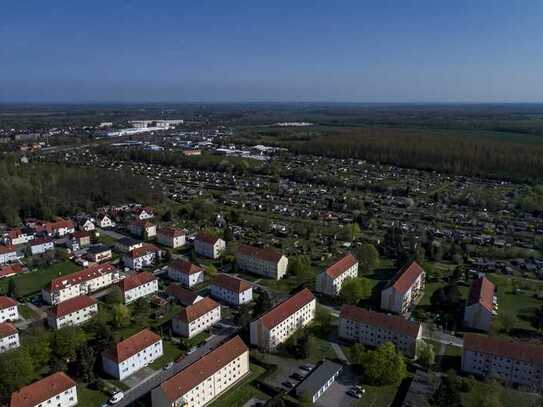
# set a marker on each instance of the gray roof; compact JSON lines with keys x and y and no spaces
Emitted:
{"x":127,"y":241}
{"x":317,"y":378}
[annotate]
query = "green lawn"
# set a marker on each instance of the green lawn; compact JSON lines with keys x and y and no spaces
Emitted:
{"x":378,"y":396}
{"x":106,"y":240}
{"x":243,"y":391}
{"x":507,"y":396}
{"x":89,"y":398}
{"x":171,"y":353}
{"x":323,"y":349}
{"x":33,"y":281}
{"x":26,"y":312}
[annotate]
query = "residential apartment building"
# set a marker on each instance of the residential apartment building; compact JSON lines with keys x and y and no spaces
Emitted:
{"x":232,"y":290}
{"x":372,"y":328}
{"x":481,"y":305}
{"x":8,"y":309}
{"x":17,"y":237}
{"x":75,"y":311}
{"x":182,"y":295}
{"x":511,"y":361}
{"x":41,"y":245}
{"x":265,"y":262}
{"x":143,"y":229}
{"x":144,"y":256}
{"x":403,"y":292}
{"x":206,"y":379}
{"x":171,"y":237}
{"x":277,"y":325}
{"x":197,"y":318}
{"x":330,"y":281}
{"x":56,"y":390}
{"x":81,"y":239}
{"x":9,"y":337}
{"x":93,"y":278}
{"x":138,"y":286}
{"x":99,"y":253}
{"x":132,"y":354}
{"x":186,"y":273}
{"x":8,"y":254}
{"x":209,"y":246}
{"x":127,"y":244}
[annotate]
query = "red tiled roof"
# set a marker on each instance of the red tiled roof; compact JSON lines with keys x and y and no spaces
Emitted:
{"x":40,"y":240}
{"x":71,"y":305}
{"x":14,"y":233}
{"x":145,"y":249}
{"x":7,"y":249}
{"x":195,"y":311}
{"x":61,"y":223}
{"x":231,"y":283}
{"x":136,"y":280}
{"x":81,"y":235}
{"x":7,"y":329}
{"x":405,"y":278}
{"x":9,"y":269}
{"x":183,"y":295}
{"x":7,"y":302}
{"x":185,"y":267}
{"x":390,"y":322}
{"x":172,"y":232}
{"x":132,"y":345}
{"x":203,"y":368}
{"x":207,"y":238}
{"x":341,"y":266}
{"x":89,"y":273}
{"x":142,"y":223}
{"x":482,"y":292}
{"x":516,"y":350}
{"x":267,"y":254}
{"x":42,"y":390}
{"x":285,"y":309}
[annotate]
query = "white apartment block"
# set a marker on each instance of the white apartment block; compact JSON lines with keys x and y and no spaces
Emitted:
{"x":83,"y":282}
{"x":277,"y":325}
{"x":9,"y":337}
{"x":41,"y":245}
{"x":56,"y":390}
{"x":403,"y":292}
{"x":138,"y":286}
{"x":372,"y":328}
{"x":8,"y":254}
{"x":171,"y":237}
{"x":197,"y":318}
{"x":144,"y":256}
{"x":481,"y":305}
{"x":16,"y":237}
{"x":143,"y":229}
{"x":513,"y":362}
{"x":232,"y":290}
{"x":8,"y":309}
{"x":132,"y":354}
{"x":330,"y":281}
{"x":265,"y":262}
{"x":209,"y":246}
{"x":186,"y":273}
{"x":72,"y":312}
{"x":206,"y":379}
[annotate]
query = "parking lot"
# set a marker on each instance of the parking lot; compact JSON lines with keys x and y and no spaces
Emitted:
{"x":336,"y":395}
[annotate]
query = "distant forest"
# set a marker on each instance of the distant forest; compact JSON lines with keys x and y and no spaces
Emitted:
{"x":45,"y":190}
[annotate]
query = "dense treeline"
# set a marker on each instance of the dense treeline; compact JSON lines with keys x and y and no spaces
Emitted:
{"x":45,"y":190}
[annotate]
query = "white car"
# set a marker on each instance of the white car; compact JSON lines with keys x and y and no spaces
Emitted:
{"x":116,"y":397}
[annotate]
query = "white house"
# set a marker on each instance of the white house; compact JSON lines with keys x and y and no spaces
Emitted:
{"x":144,"y":213}
{"x":72,"y":312}
{"x":265,"y":262}
{"x":209,"y":246}
{"x":182,"y":295}
{"x":481,"y":305}
{"x":56,"y":390}
{"x":138,"y":286}
{"x":331,"y":280}
{"x":232,"y":290}
{"x":142,"y":228}
{"x":105,"y":221}
{"x":372,"y":328}
{"x":201,"y":382}
{"x":197,"y":318}
{"x":171,"y":237}
{"x":186,"y":273}
{"x":41,"y":245}
{"x":93,"y":278}
{"x":403,"y":292}
{"x":87,"y":225}
{"x":514,"y":362}
{"x":9,"y":337}
{"x":8,"y":254}
{"x":8,"y":309}
{"x":141,"y":257}
{"x":132,"y":354}
{"x":277,"y":325}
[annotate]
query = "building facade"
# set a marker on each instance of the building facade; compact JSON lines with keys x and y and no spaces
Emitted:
{"x":9,"y":337}
{"x":8,"y":254}
{"x":41,"y":245}
{"x":171,"y":237}
{"x":143,"y":229}
{"x":8,"y":309}
{"x":209,"y":246}
{"x":265,"y":262}
{"x":72,"y":312}
{"x":197,"y":318}
{"x":481,"y":306}
{"x":319,"y":380}
{"x":186,"y":273}
{"x":232,"y":290}
{"x":56,"y":390}
{"x":330,"y":281}
{"x":144,"y":256}
{"x":404,"y":291}
{"x":138,"y":286}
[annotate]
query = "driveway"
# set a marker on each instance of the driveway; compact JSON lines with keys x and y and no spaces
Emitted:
{"x":336,"y":395}
{"x":139,"y":377}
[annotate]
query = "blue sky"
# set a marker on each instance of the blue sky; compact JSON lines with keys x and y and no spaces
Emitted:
{"x":360,"y":51}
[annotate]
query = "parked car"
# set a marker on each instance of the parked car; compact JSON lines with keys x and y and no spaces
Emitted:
{"x":288,"y":384}
{"x":297,"y":376}
{"x":355,"y":394}
{"x":307,"y":367}
{"x":168,"y":366}
{"x":116,"y":397}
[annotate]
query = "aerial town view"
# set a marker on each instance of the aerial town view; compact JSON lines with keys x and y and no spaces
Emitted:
{"x":229,"y":204}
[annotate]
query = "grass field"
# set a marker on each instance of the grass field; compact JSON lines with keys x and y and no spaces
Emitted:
{"x":508,"y":397}
{"x":243,"y":391}
{"x":171,"y":353}
{"x":26,"y":312}
{"x":378,"y":396}
{"x":89,"y":398}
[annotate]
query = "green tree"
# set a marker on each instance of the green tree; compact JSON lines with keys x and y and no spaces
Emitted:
{"x":17,"y":370}
{"x":300,"y":266}
{"x":350,"y":232}
{"x":368,"y":257}
{"x":353,"y":290}
{"x":121,"y":316}
{"x":263,"y":303}
{"x":84,"y":364}
{"x":37,"y":344}
{"x":384,"y":365}
{"x":448,"y":393}
{"x":115,"y":296}
{"x":142,"y":311}
{"x":426,"y":355}
{"x":357,"y":354}
{"x":243,"y":317}
{"x":66,"y":341}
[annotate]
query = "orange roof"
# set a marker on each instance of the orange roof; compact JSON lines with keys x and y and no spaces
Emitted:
{"x":285,"y":309}
{"x":516,"y":350}
{"x":7,"y":329}
{"x":145,"y":249}
{"x":207,"y":238}
{"x":185,"y":267}
{"x":203,"y":368}
{"x":7,"y":249}
{"x":482,"y":292}
{"x":172,"y":232}
{"x":132,"y":345}
{"x":405,"y":278}
{"x":42,"y":390}
{"x":389,"y":322}
{"x":195,"y":311}
{"x":136,"y":280}
{"x":89,"y":273}
{"x":231,"y":283}
{"x":341,"y":266}
{"x":72,"y":305}
{"x":10,"y":269}
{"x":7,"y":302}
{"x":186,"y":297}
{"x":267,"y":254}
